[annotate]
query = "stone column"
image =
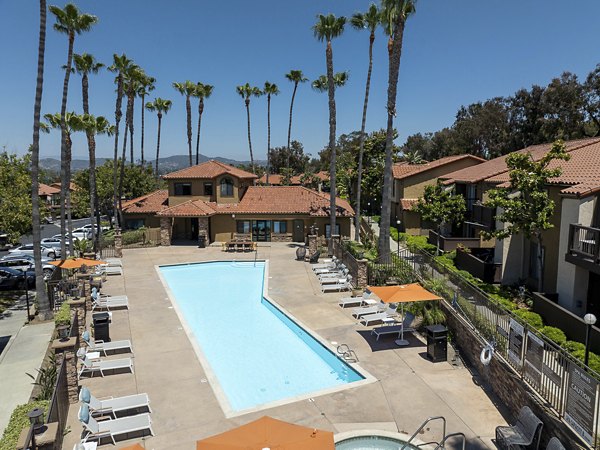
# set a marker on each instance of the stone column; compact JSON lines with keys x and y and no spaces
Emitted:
{"x":67,"y":350}
{"x":362,"y":278}
{"x":312,"y":245}
{"x":203,"y":228}
{"x":78,"y":309}
{"x":118,"y":243}
{"x":165,"y":231}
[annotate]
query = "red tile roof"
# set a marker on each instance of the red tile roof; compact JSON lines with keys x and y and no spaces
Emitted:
{"x":403,"y":169}
{"x":57,"y":185}
{"x":192,"y":208}
{"x":408,"y":203}
{"x":151,"y":203}
{"x":46,"y":190}
{"x":209,"y":169}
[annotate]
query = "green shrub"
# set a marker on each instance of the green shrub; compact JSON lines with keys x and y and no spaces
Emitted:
{"x":63,"y":316}
{"x":416,"y":243}
{"x":577,"y":350}
{"x":430,"y":312}
{"x":376,"y":219}
{"x":133,"y":236}
{"x":573,"y":347}
{"x":531,"y":318}
{"x":556,"y":335}
{"x":19,"y":421}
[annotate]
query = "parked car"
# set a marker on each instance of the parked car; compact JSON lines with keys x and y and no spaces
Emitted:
{"x":89,"y":227}
{"x":82,"y":233}
{"x":25,"y":264}
{"x":53,"y":242}
{"x":27,"y":249}
{"x":12,"y":279}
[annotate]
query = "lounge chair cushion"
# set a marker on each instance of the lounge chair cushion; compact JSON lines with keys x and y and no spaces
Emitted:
{"x":84,"y":395}
{"x":86,"y":336}
{"x":81,"y":352}
{"x":84,"y":413}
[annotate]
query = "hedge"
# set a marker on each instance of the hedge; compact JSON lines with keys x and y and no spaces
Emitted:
{"x":19,"y":421}
{"x":63,"y":315}
{"x":529,"y":317}
{"x":554,"y":334}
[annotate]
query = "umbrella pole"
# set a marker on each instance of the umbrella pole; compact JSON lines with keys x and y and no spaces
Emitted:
{"x":402,"y":342}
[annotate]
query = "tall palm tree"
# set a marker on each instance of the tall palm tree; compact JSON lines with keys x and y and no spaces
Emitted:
{"x":369,"y":20}
{"x":246,"y":91}
{"x":187,"y":88}
{"x":296,"y":77}
{"x":146,"y":86}
{"x":269,"y":89}
{"x":160,"y":106}
{"x":70,"y":21}
{"x":84,"y":65}
{"x":120,"y":65}
{"x":41,"y":294}
{"x":326,"y":29}
{"x":202,"y":91}
{"x":394,"y":15}
{"x":321,"y":83}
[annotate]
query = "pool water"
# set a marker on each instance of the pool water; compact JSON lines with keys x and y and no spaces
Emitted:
{"x":372,"y":443}
{"x":257,"y":354}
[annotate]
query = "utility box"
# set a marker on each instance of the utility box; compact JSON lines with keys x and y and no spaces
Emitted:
{"x":437,"y":343}
{"x":101,"y":326}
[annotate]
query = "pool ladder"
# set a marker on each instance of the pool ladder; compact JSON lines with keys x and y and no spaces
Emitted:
{"x":347,"y":353}
{"x":441,"y":444}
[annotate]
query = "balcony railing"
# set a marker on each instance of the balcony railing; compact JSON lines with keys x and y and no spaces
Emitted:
{"x":483,"y":216}
{"x":584,"y":242}
{"x":448,"y":243}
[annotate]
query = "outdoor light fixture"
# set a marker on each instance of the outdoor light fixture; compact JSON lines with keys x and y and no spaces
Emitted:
{"x":36,"y":419}
{"x":63,"y":333}
{"x":589,"y":320}
{"x":398,"y":241}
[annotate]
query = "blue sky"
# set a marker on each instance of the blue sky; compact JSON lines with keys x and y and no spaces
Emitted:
{"x":455,"y":52}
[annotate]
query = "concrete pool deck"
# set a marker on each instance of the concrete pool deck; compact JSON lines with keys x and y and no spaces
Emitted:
{"x":184,"y":408}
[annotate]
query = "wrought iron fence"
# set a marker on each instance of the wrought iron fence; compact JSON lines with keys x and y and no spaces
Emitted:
{"x":58,"y":409}
{"x":347,"y":259}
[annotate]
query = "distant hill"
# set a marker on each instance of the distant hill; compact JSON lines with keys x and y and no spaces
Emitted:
{"x":165,"y":165}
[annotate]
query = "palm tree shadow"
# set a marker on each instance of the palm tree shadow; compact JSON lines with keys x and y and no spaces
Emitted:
{"x":388,"y":342}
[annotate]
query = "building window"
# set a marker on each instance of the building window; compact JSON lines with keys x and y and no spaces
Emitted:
{"x":243,"y":227}
{"x":279,"y":226}
{"x":183,"y":188}
{"x":328,"y":230}
{"x":208,"y":189}
{"x":226,"y":187}
{"x":134,"y":224}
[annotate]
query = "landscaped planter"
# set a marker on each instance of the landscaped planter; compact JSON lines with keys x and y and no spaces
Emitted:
{"x":488,"y":272}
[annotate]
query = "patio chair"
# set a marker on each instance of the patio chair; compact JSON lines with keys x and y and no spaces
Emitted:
{"x":359,"y":312}
{"x":314,"y":257}
{"x":110,"y":302}
{"x":103,"y":347}
{"x":112,"y":406}
{"x":525,"y":432}
{"x":110,"y":270}
{"x":555,"y":444}
{"x":336,"y":268}
{"x":112,"y":427}
{"x":335,"y":274}
{"x":341,"y":285}
{"x":113,"y":262}
{"x":95,"y":366}
{"x":399,"y":329}
{"x":326,"y":263}
{"x":100,"y":296}
{"x":350,"y":301}
{"x":387,"y":316}
{"x":337,"y":279}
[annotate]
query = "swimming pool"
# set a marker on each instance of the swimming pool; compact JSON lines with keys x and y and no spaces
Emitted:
{"x":373,"y":443}
{"x":254,"y":354}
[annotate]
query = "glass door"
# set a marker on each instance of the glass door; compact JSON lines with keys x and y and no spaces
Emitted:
{"x":261,"y":231}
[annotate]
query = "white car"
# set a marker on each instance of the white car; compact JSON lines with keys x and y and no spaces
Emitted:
{"x":89,"y":227}
{"x":53,"y":242}
{"x":27,"y":249}
{"x":24,"y":264}
{"x":82,"y":233}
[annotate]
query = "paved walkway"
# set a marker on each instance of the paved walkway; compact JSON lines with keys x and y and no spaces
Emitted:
{"x":24,"y":354}
{"x":408,"y":389}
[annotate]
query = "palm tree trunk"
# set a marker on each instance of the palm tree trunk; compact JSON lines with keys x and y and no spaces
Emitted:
{"x":68,"y":196}
{"x":268,"y":136}
{"x":41,"y":294}
{"x":122,"y":174}
{"x":249,"y":139}
{"x":332,"y":123}
{"x":142,"y":144}
{"x":200,"y":111}
{"x":386,"y":200}
{"x":362,"y":141}
{"x":158,"y":142}
{"x":130,"y":119}
{"x":118,"y":115}
{"x":188,"y":109}
{"x":287,"y":164}
{"x":91,"y":152}
{"x":63,"y":144}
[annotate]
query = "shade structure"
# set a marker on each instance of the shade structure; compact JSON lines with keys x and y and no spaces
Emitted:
{"x":404,"y":293}
{"x":133,"y":447}
{"x":270,"y":433}
{"x":76,"y":263}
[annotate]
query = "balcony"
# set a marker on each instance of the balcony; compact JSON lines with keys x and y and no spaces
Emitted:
{"x":479,"y":262}
{"x":483,"y":217}
{"x":584,"y":247}
{"x":448,"y":244}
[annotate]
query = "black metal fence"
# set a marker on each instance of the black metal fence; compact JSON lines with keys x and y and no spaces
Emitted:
{"x":343,"y":255}
{"x":58,"y":409}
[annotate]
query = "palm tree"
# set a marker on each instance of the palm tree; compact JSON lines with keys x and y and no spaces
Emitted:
{"x":394,"y":15}
{"x":187,"y":88}
{"x":327,"y":28}
{"x":41,"y":294}
{"x":160,"y":106}
{"x":339,"y":80}
{"x":84,"y":65}
{"x":70,"y":21}
{"x":296,"y":77}
{"x":270,"y":89}
{"x":120,"y":65}
{"x":146,"y":86}
{"x":413,"y":157}
{"x":369,"y":21}
{"x":202,"y":91}
{"x":246,"y":91}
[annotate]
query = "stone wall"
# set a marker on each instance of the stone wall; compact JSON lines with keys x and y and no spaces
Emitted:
{"x":165,"y":231}
{"x":203,"y":228}
{"x":281,"y":237}
{"x":506,"y":384}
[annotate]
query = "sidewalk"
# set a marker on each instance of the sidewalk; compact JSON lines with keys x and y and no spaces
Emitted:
{"x":23,"y":354}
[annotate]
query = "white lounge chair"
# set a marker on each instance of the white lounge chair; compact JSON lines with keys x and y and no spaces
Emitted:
{"x":334,"y":269}
{"x":97,"y":294}
{"x":113,"y":262}
{"x":110,"y":302}
{"x":338,"y":274}
{"x":113,"y":405}
{"x":349,"y":301}
{"x":103,"y":347}
{"x":363,"y":311}
{"x":395,"y":329}
{"x":112,"y":427}
{"x":387,"y":316}
{"x":111,"y":270}
{"x":325,"y":264}
{"x":101,"y":366}
{"x":339,"y":286}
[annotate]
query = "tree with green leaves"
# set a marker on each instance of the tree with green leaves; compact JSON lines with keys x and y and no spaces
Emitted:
{"x":160,"y":106}
{"x":187,"y":89}
{"x":394,"y":16}
{"x":298,"y":160}
{"x":525,"y":206}
{"x":145,"y":87}
{"x":321,"y":83}
{"x":246,"y":92}
{"x":15,"y":202}
{"x":413,"y":157}
{"x":440,"y":206}
{"x":202,"y":92}
{"x":296,"y":77}
{"x":69,"y":21}
{"x":269,"y":90}
{"x":369,"y":20}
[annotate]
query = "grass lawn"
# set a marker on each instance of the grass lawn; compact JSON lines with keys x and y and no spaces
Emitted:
{"x":8,"y":298}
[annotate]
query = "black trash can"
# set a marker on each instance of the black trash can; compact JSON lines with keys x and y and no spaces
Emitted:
{"x":437,"y":343}
{"x":201,"y":241}
{"x":101,"y":326}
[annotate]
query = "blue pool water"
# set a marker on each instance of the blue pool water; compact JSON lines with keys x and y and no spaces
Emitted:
{"x":258,"y":354}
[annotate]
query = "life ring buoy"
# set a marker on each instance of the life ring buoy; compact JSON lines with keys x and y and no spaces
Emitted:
{"x":486,"y":355}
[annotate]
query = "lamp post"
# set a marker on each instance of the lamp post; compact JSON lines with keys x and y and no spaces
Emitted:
{"x":36,"y":419}
{"x":589,"y":320}
{"x":398,"y":241}
{"x":369,"y":212}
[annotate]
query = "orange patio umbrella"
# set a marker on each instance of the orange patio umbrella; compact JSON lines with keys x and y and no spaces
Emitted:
{"x":76,"y":263}
{"x":133,"y":447}
{"x":269,"y":433}
{"x":404,"y":293}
